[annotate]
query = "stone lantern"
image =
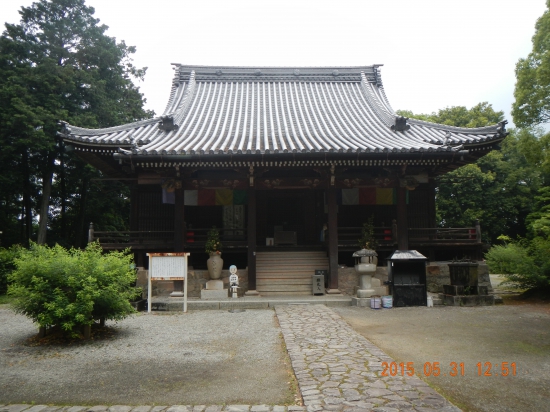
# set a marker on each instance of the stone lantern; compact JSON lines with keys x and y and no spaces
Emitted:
{"x":366,"y":261}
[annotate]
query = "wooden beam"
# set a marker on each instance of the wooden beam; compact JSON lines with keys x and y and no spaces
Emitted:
{"x":251,"y":230}
{"x":332,"y":240}
{"x":179,"y":234}
{"x":402,"y":220}
{"x":179,"y":221}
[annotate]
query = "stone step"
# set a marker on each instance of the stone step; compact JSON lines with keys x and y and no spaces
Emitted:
{"x":287,"y":272}
{"x":286,"y":280}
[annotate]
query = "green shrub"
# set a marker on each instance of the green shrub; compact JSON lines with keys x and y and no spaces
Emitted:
{"x":72,"y":288}
{"x":7,"y":265}
{"x":524,"y":263}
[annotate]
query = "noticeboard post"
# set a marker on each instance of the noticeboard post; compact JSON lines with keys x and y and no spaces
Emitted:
{"x":167,"y":266}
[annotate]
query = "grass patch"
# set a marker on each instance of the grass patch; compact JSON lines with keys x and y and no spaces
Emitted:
{"x":6,"y":300}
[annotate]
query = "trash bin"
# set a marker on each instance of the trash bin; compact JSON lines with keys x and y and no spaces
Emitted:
{"x":318,"y":282}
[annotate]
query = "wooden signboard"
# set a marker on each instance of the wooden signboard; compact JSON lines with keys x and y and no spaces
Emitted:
{"x":167,"y":266}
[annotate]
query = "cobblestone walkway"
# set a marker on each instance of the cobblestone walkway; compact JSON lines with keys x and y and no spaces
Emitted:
{"x":339,"y":370}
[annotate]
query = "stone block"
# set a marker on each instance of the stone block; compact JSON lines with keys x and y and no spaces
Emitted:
{"x":472,"y":300}
{"x":348,"y":280}
{"x":482,"y":290}
{"x":381,"y":290}
{"x":365,"y":293}
{"x":202,"y":305}
{"x":453,"y":290}
{"x":214,"y":285}
{"x":120,"y":408}
{"x":437,"y":275}
{"x":142,"y":279}
{"x":243,"y":304}
{"x":37,"y":408}
{"x":214,"y":294}
{"x":362,"y":302}
{"x":483,"y":278}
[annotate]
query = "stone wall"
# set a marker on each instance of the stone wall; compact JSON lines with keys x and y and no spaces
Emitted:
{"x":348,"y":279}
{"x":437,"y":275}
{"x":196,"y":281}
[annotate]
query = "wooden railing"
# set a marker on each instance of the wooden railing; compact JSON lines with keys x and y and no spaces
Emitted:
{"x":349,"y":236}
{"x":451,"y":235}
{"x":195,"y":238}
{"x":232,"y":238}
{"x":229,"y":237}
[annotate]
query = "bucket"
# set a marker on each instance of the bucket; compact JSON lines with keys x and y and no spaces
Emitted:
{"x":375,"y":302}
{"x":430,"y":302}
{"x":387,"y":302}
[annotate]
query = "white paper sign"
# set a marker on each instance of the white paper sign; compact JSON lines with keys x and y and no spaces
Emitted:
{"x":167,"y":267}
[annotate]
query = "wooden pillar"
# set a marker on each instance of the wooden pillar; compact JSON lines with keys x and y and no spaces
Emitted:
{"x":134,"y":221}
{"x":402,"y":220}
{"x":251,"y":235}
{"x":91,"y":236}
{"x":179,"y":234}
{"x":179,"y":222}
{"x":479,"y":248}
{"x":332,"y":240}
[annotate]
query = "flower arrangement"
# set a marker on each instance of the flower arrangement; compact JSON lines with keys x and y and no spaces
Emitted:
{"x":368,"y":239}
{"x":213,"y":244}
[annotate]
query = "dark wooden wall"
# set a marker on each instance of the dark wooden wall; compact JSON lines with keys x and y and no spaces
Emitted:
{"x":299,"y":210}
{"x":356,"y":215}
{"x":152,"y":213}
{"x":421,"y":207}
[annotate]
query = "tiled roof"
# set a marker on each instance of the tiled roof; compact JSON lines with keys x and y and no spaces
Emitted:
{"x":239,"y":110}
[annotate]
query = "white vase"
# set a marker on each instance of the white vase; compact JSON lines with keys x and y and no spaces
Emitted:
{"x":215,"y":265}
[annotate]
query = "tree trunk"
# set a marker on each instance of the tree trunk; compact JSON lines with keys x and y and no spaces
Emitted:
{"x":63,"y":197}
{"x":80,"y":224}
{"x":27,"y":204}
{"x":45,"y":203}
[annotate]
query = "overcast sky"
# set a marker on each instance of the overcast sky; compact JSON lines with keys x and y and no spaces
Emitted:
{"x":436,"y":53}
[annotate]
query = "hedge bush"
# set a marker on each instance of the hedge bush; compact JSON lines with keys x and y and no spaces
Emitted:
{"x":72,"y":288}
{"x":524,"y":263}
{"x":7,"y":265}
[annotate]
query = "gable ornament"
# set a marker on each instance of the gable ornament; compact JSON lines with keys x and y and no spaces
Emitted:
{"x":400,"y":124}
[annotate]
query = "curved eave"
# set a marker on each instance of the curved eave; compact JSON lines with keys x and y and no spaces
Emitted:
{"x":233,"y":111}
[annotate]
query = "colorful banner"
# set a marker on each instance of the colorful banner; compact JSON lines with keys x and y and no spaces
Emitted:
{"x":214,"y":197}
{"x":190,"y":197}
{"x":207,"y":197}
{"x":368,"y":196}
{"x":224,"y":197}
{"x":350,"y":196}
{"x":240,"y":197}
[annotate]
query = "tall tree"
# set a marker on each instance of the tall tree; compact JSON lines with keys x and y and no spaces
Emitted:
{"x":532,"y":91}
{"x":500,"y":187}
{"x":479,"y":115}
{"x":58,"y":64}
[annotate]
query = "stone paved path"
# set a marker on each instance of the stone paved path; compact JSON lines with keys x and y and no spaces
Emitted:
{"x":337,"y":370}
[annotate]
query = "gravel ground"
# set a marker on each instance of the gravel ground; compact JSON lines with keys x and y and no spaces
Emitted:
{"x":469,"y":335}
{"x":206,"y":357}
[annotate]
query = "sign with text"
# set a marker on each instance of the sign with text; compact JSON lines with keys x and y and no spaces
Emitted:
{"x":167,"y":266}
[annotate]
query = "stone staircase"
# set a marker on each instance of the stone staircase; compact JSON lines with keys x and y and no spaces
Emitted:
{"x":287,"y":273}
